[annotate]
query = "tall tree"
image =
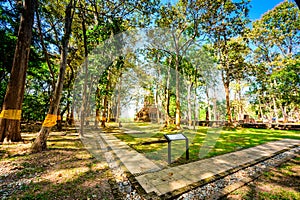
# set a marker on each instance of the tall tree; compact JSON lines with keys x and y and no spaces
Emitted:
{"x":201,"y":72}
{"x":118,"y":17}
{"x":9,"y":24}
{"x":276,"y":39}
{"x":85,"y":66}
{"x":40,"y":143}
{"x":182,"y":19}
{"x":11,"y":110}
{"x":223,"y":21}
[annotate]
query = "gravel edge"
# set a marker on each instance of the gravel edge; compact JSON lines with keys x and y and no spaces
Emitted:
{"x":222,"y":187}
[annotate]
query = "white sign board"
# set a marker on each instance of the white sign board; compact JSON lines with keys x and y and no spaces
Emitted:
{"x":176,"y":137}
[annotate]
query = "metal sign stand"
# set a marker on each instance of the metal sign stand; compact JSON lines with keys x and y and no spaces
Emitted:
{"x":173,"y":137}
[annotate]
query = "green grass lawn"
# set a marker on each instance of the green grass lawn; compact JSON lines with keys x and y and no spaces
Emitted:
{"x":204,"y":142}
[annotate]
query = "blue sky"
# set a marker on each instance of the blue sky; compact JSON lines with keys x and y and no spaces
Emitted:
{"x":259,"y":7}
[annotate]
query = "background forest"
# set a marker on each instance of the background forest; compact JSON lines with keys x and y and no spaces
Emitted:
{"x":236,"y":67}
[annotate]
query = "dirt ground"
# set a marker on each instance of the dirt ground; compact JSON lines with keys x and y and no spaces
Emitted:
{"x":65,"y":171}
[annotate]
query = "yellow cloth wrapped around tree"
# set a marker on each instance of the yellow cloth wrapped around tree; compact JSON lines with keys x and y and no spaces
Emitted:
{"x":50,"y":120}
{"x":11,"y":114}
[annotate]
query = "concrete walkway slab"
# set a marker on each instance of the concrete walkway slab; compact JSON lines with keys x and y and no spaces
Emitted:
{"x":135,"y":162}
{"x":174,"y":178}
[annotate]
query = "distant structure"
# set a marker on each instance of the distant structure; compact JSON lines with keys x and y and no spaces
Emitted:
{"x":143,"y":115}
{"x":148,"y":113}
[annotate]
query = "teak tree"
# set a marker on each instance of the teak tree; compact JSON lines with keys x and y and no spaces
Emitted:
{"x":11,"y":110}
{"x":223,"y":21}
{"x":40,"y":143}
{"x":182,"y":19}
{"x":276,"y":42}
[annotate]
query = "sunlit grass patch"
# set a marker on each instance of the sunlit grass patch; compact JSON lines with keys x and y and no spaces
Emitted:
{"x":204,"y":142}
{"x":279,"y":194}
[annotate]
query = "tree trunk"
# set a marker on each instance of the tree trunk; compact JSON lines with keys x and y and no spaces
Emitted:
{"x":235,"y":106}
{"x":71,"y":120}
{"x":157,"y":97}
{"x":215,"y":108}
{"x":178,"y":117}
{"x":284,"y":114}
{"x":167,"y":107}
{"x":156,"y":105}
{"x":12,"y":105}
{"x":195,"y":106}
{"x":87,"y":107}
{"x":119,"y":102}
{"x":84,"y":103}
{"x":67,"y":108}
{"x":97,"y":119}
{"x":275,"y":109}
{"x":208,"y":112}
{"x":228,"y":110}
{"x":260,"y":109}
{"x":108,"y":111}
{"x":167,"y":96}
{"x":40,"y":143}
{"x":241,"y":103}
{"x":59,"y":120}
{"x":105,"y":101}
{"x":189,"y":90}
{"x":70,"y":98}
{"x":226,"y":82}
{"x":274,"y":102}
{"x":103,"y":120}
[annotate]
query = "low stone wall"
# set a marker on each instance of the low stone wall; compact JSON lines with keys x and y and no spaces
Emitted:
{"x":278,"y":126}
{"x":273,"y":126}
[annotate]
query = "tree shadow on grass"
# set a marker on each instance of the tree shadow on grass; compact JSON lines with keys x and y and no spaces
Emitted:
{"x":88,"y":185}
{"x":61,"y":172}
{"x":64,"y":140}
{"x":3,"y":153}
{"x":57,"y":175}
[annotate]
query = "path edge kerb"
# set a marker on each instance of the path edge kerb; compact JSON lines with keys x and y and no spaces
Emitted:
{"x":176,"y":193}
{"x":249,"y":179}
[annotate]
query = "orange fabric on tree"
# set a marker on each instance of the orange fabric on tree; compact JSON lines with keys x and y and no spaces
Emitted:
{"x":50,"y":120}
{"x":11,"y":114}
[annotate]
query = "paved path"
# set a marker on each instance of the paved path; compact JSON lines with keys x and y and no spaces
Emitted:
{"x":135,"y":162}
{"x":153,"y":179}
{"x":174,"y":178}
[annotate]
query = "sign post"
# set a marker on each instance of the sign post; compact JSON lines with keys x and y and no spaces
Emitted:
{"x":173,"y":137}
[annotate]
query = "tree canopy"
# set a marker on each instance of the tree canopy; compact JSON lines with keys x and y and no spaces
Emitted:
{"x":208,"y":56}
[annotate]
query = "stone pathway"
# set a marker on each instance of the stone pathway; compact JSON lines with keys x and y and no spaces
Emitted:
{"x":135,"y":162}
{"x":175,"y":178}
{"x":162,"y":181}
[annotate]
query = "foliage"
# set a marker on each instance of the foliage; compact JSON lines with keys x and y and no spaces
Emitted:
{"x":276,"y":42}
{"x":288,"y":82}
{"x":212,"y":38}
{"x":9,"y":21}
{"x":224,"y":22}
{"x":38,"y":90}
